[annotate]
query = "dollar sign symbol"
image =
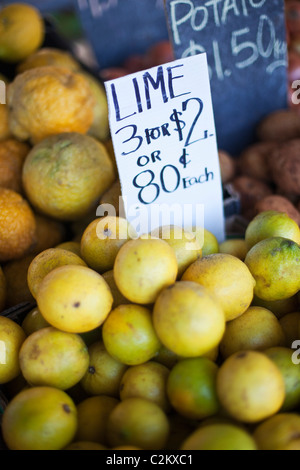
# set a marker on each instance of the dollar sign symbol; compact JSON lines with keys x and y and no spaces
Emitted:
{"x":179,"y":123}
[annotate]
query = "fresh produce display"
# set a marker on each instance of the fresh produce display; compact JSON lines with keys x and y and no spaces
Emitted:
{"x":109,"y":341}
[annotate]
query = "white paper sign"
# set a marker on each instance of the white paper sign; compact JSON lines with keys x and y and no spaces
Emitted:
{"x":163,"y":133}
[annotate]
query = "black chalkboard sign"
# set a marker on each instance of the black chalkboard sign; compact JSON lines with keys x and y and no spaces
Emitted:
{"x":245,"y":43}
{"x":119,"y":28}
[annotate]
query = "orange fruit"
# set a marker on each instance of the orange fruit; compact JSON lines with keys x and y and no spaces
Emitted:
{"x":138,"y":422}
{"x":191,"y":388}
{"x":39,"y":418}
{"x":12,"y":156}
{"x":49,"y":56}
{"x":17,"y":289}
{"x":45,"y":262}
{"x":4,"y":124}
{"x":64,"y":175}
{"x":102,"y":240}
{"x":49,"y":233}
{"x":17,"y":225}
{"x":129,"y":336}
{"x":22,"y":31}
{"x":49,"y":100}
{"x":74,"y":298}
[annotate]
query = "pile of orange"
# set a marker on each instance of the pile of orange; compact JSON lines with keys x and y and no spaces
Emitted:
{"x":148,"y":342}
{"x":55,"y":159}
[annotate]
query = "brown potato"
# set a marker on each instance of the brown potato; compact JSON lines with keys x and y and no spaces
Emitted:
{"x":253,"y":161}
{"x":250,"y":190}
{"x":293,"y":198}
{"x":284,"y":162}
{"x":278,"y":203}
{"x":227,"y":166}
{"x":279,"y":126}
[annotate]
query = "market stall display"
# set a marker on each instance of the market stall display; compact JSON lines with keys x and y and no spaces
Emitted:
{"x":109,"y":341}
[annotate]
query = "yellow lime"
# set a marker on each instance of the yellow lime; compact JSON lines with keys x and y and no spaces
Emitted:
{"x":250,"y":386}
{"x":34,"y":321}
{"x":138,"y":422}
{"x":12,"y":337}
{"x":129,"y":335}
{"x":143,"y":267}
{"x":45,"y":262}
{"x":219,"y":437}
{"x":268,"y":224}
{"x":22,"y":31}
{"x":191,"y":388}
{"x":54,"y":358}
{"x":74,"y":298}
{"x":39,"y":418}
{"x":256,"y":329}
{"x":274,"y":264}
{"x":236,"y":247}
{"x":184,"y":243}
{"x":104,"y":372}
{"x":101,"y":241}
{"x":188,"y":320}
{"x":282,"y":357}
{"x":278,"y":432}
{"x":93,"y":413}
{"x":227,"y":278}
{"x":147,"y":381}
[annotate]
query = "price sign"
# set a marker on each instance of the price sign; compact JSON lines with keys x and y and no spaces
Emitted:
{"x":118,"y":28}
{"x":245,"y":42}
{"x":164,"y":138}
